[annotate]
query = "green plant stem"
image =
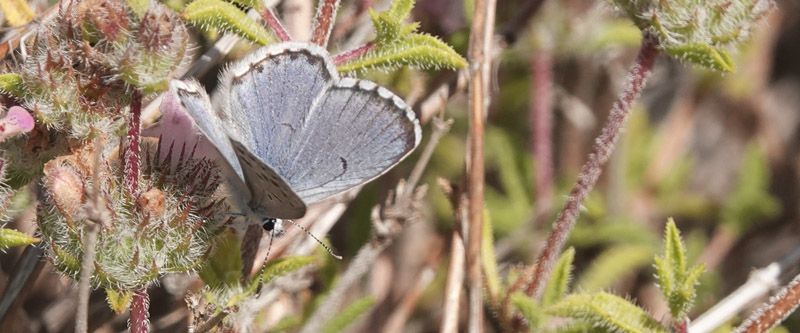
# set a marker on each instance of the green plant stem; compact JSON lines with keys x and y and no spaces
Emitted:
{"x":590,"y":172}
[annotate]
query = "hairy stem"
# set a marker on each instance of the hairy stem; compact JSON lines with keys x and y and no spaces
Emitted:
{"x":269,"y":16}
{"x":352,"y":54}
{"x":140,"y":318}
{"x":590,"y":172}
{"x":774,"y":312}
{"x":480,"y":56}
{"x":132,"y":156}
{"x":323,"y":22}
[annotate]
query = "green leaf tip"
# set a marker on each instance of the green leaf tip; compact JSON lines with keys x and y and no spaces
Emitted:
{"x":401,"y":8}
{"x":278,"y":268}
{"x":11,"y":83}
{"x":417,"y":50}
{"x":676,"y":282}
{"x":225,"y":16}
{"x":398,"y":44}
{"x":704,"y":55}
{"x":11,"y":237}
{"x":529,"y":309}
{"x":557,"y":287}
{"x":349,"y":314}
{"x":118,"y":300}
{"x":606,"y":311}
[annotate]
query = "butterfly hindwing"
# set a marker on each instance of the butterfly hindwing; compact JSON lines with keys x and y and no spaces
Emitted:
{"x":356,"y":132}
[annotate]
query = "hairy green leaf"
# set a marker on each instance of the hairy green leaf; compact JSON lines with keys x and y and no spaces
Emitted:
{"x":529,"y":309}
{"x":225,"y":16}
{"x":556,"y":288}
{"x":349,"y":315}
{"x":418,"y":50}
{"x":675,"y":281}
{"x":11,"y":237}
{"x":704,"y":55}
{"x":118,"y":300}
{"x":12,"y":84}
{"x":278,"y":268}
{"x":224,"y":267}
{"x":607,"y":311}
{"x":401,"y":8}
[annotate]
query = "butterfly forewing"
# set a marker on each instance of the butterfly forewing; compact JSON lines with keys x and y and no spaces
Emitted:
{"x":319,"y":134}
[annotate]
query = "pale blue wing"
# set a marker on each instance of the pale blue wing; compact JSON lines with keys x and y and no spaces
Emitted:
{"x":356,"y":132}
{"x":285,"y":104}
{"x":195,"y":101}
{"x":273,"y":192}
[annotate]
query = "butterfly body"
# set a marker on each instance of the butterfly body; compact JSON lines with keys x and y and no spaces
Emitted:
{"x":290,"y":132}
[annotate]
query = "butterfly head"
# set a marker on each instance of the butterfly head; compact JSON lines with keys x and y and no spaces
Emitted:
{"x":273,"y":226}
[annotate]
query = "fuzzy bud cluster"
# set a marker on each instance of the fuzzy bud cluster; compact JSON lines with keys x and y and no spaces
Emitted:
{"x":166,"y":228}
{"x":82,"y":66}
{"x":698,"y":31}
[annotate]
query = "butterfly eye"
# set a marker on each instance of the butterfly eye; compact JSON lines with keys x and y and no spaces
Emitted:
{"x":268,"y":224}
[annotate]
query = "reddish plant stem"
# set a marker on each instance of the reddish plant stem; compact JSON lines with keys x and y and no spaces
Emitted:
{"x":354,"y":53}
{"x":131,"y":154}
{"x":140,"y":318}
{"x":590,"y":172}
{"x":323,"y":22}
{"x":774,"y":312}
{"x":541,"y":125}
{"x":269,"y":16}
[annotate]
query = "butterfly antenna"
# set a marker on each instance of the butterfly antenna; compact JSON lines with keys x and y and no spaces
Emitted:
{"x":317,"y":239}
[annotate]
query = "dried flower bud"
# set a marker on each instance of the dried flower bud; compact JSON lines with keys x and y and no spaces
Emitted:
{"x":152,"y":202}
{"x":65,"y":185}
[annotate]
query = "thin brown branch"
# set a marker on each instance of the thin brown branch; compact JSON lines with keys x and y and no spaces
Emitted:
{"x":774,"y":312}
{"x":85,"y":284}
{"x":480,"y":56}
{"x":590,"y":172}
{"x":97,"y":217}
{"x":323,"y":22}
{"x":455,"y":270}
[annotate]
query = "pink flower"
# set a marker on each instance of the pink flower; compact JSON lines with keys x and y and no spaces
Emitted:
{"x":16,"y":121}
